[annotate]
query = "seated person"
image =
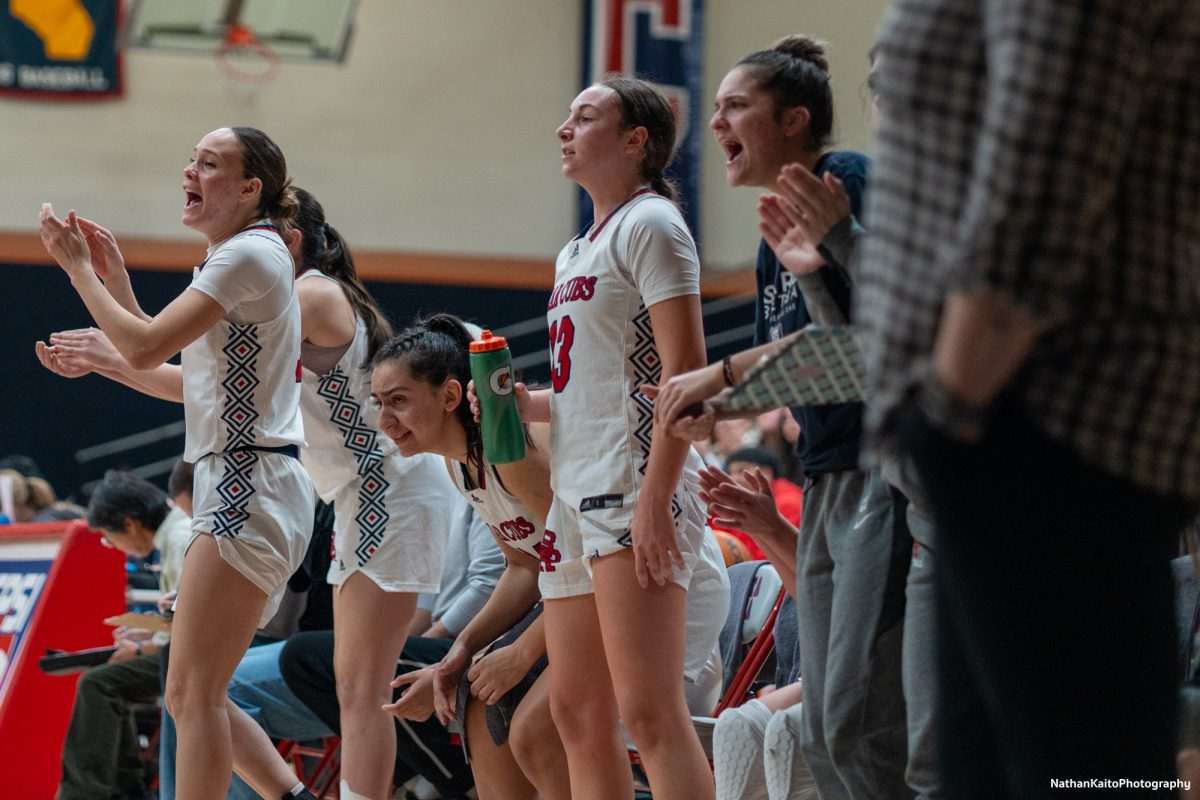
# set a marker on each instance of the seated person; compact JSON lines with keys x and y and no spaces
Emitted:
{"x":473,"y":566}
{"x":505,"y":690}
{"x":14,"y":501}
{"x":787,"y":495}
{"x":100,"y":754}
{"x":60,"y":511}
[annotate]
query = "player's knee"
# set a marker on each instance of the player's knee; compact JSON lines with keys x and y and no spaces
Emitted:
{"x":356,"y":694}
{"x":651,"y":722}
{"x":184,"y":698}
{"x":533,"y":739}
{"x":579,"y":718}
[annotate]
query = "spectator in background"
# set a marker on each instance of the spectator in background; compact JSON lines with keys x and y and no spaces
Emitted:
{"x":179,"y":485}
{"x":100,"y":754}
{"x":727,"y":435}
{"x":22,"y":464}
{"x":471,"y":569}
{"x":779,"y":432}
{"x":19,"y":489}
{"x":41,"y":496}
{"x":60,"y":511}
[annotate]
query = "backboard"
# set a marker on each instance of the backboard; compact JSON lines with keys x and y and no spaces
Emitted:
{"x":291,"y":29}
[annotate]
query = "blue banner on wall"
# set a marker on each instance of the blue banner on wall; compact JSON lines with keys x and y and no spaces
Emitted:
{"x":60,"y":49}
{"x":661,"y":41}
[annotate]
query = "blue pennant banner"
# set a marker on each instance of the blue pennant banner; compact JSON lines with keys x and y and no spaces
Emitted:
{"x":661,"y":41}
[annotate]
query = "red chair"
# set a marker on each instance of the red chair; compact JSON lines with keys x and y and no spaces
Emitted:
{"x":758,"y":632}
{"x":322,"y":779}
{"x":758,"y":636}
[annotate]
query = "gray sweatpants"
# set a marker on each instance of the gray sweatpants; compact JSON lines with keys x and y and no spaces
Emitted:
{"x":852,"y":561}
{"x":920,"y":656}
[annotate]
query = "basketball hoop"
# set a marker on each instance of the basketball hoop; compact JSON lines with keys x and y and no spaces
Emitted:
{"x":242,"y":57}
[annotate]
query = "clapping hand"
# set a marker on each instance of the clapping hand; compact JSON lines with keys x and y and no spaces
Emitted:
{"x":65,"y":241}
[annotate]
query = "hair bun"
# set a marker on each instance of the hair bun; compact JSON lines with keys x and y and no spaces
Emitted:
{"x":805,"y":48}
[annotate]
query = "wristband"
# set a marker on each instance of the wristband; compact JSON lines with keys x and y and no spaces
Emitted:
{"x":727,"y":371}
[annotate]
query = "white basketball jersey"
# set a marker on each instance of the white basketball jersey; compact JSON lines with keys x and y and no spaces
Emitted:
{"x":512,"y":521}
{"x":241,"y":382}
{"x":602,"y":349}
{"x":340,"y":422}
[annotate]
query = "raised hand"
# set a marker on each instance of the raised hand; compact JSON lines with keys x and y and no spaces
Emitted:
{"x":65,"y":241}
{"x":65,"y":368}
{"x":796,"y":219}
{"x":821,"y":202}
{"x":107,"y":260}
{"x":520,"y":394}
{"x":750,"y":508}
{"x":781,"y":227}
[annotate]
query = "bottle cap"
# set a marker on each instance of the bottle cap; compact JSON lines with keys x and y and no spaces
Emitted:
{"x":486,"y":343}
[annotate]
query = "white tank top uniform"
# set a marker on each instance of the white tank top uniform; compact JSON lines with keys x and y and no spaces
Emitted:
{"x":241,"y":392}
{"x":512,"y":522}
{"x":392,"y":514}
{"x":516,"y":524}
{"x":601,"y":350}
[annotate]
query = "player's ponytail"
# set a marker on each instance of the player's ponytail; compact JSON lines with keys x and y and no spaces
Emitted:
{"x":643,"y":105}
{"x":322,"y":248}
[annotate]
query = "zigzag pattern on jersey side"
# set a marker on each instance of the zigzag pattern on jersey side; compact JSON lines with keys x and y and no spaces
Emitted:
{"x":235,"y":490}
{"x":241,"y":381}
{"x":647,"y":370}
{"x":362,"y":441}
{"x":240,"y":416}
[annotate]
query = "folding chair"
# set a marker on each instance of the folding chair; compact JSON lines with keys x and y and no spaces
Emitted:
{"x":757,"y":611}
{"x":322,"y":779}
{"x":758,"y":634}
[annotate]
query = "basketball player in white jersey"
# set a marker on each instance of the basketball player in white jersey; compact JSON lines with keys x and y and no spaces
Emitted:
{"x":238,"y":327}
{"x":625,"y":527}
{"x":418,"y":380}
{"x":391,"y":518}
{"x":515,"y":749}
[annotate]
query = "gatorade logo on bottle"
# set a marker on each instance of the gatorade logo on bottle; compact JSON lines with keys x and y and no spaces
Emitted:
{"x":501,"y":380}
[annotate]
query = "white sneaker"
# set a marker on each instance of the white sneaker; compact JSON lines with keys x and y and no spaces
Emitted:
{"x":738,"y":752}
{"x":787,"y":776}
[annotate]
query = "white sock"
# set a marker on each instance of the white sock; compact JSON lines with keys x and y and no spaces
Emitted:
{"x":346,"y":793}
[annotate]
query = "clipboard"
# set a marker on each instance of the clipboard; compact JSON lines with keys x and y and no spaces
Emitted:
{"x":59,"y":662}
{"x":819,"y":366}
{"x":151,"y":622}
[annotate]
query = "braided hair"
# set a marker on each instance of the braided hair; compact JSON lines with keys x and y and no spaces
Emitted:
{"x":436,"y":349}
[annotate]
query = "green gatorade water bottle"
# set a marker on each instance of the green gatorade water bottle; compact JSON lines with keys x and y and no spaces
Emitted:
{"x":499,"y":422}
